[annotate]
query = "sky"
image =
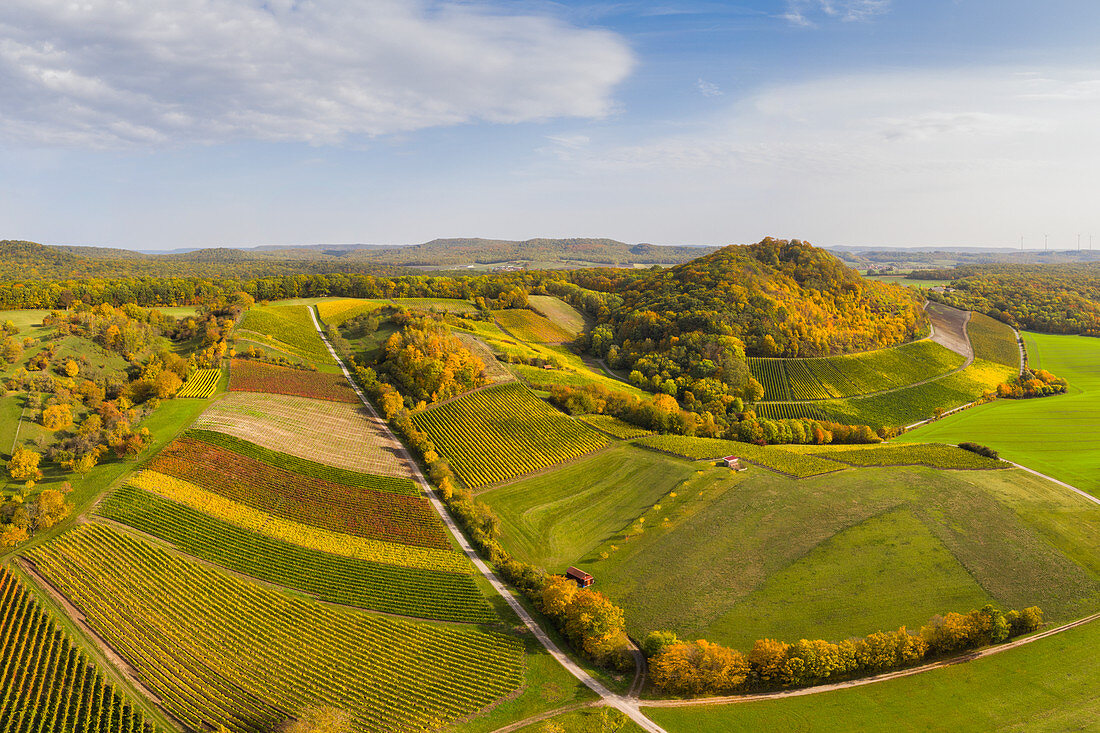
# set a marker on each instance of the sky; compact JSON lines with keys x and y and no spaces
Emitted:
{"x":161,"y":124}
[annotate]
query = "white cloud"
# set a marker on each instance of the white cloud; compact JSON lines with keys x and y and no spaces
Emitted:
{"x":708,"y":89}
{"x":122,"y":72}
{"x":809,"y":12}
{"x":868,"y":158}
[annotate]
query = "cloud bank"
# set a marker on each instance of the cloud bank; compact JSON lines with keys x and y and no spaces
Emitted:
{"x":110,"y":73}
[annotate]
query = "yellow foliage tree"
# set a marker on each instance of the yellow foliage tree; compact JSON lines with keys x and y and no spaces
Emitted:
{"x":692,"y":668}
{"x":57,"y":417}
{"x":23,"y":465}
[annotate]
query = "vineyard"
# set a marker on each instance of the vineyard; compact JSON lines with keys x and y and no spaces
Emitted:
{"x":558,"y":311}
{"x":993,"y":341}
{"x":933,"y":455}
{"x":830,"y":377}
{"x":503,"y":432}
{"x":336,"y":312}
{"x":46,"y":683}
{"x":295,"y":533}
{"x":527,"y":325}
{"x":306,"y":467}
{"x":350,"y":439}
{"x":798,"y":465}
{"x":202,"y":383}
{"x":789,"y":411}
{"x":247,"y":375}
{"x":446,"y":305}
{"x":337,"y":579}
{"x":319,"y":503}
{"x":289,"y":327}
{"x":907,"y":406}
{"x":615,"y":427}
{"x":221,"y":651}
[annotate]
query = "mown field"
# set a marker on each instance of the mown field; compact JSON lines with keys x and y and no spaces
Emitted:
{"x":732,"y":557}
{"x":1054,"y":435}
{"x":220,"y":650}
{"x":1048,"y":685}
{"x":503,"y":432}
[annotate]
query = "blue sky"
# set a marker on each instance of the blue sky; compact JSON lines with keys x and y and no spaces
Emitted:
{"x":155,"y":124}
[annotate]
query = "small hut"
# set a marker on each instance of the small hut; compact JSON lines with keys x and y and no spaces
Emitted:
{"x":732,"y":462}
{"x":583,"y":579}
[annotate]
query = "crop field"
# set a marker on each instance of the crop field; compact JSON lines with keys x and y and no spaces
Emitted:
{"x":46,"y":683}
{"x":993,"y":341}
{"x":317,"y":502}
{"x":615,"y":427}
{"x":336,"y":312}
{"x":445,"y":305}
{"x":853,"y":374}
{"x":910,"y":405}
{"x":247,"y":375}
{"x":1008,"y":691}
{"x":334,"y":578}
{"x":848,"y":553}
{"x":933,"y":455}
{"x":560,"y":312}
{"x":334,"y":433}
{"x":305,"y":467}
{"x":788,"y":411}
{"x":1055,"y":435}
{"x":296,"y":533}
{"x":219,"y":650}
{"x":794,"y":464}
{"x":527,"y":325}
{"x":288,"y":327}
{"x":503,"y":432}
{"x":203,"y":383}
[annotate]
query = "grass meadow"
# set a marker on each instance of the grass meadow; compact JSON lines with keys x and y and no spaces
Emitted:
{"x":1054,"y":435}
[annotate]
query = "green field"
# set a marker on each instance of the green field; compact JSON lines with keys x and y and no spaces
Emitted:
{"x":733,"y":557}
{"x":778,"y":459}
{"x":287,"y":328}
{"x":555,"y":519}
{"x":1054,"y":435}
{"x":500,"y":433}
{"x":1048,"y":685}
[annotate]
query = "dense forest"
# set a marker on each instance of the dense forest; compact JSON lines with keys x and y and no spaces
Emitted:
{"x":1048,"y":298}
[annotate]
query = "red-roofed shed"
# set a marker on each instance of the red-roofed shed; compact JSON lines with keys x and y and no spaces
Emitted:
{"x":583,"y":579}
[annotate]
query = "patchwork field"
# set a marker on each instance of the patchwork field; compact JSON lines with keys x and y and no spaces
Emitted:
{"x":219,"y":650}
{"x":47,"y":683}
{"x":855,"y":374}
{"x":1048,"y":685}
{"x":1055,"y":435}
{"x":447,"y":596}
{"x":322,"y":503}
{"x":503,"y":432}
{"x":246,"y":375}
{"x":527,"y":325}
{"x":334,"y":433}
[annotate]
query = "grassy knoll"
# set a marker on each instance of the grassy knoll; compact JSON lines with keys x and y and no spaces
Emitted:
{"x":592,"y":720}
{"x":1055,"y":435}
{"x":559,"y":312}
{"x":555,"y":519}
{"x":737,"y":556}
{"x":1048,"y":685}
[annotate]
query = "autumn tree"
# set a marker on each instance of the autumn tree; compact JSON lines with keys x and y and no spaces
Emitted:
{"x":23,"y":465}
{"x":57,"y":417}
{"x":697,"y":667}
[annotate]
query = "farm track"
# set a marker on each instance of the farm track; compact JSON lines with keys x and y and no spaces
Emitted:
{"x":625,"y":704}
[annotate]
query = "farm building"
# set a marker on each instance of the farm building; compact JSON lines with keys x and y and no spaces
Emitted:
{"x":583,"y":579}
{"x":732,"y":462}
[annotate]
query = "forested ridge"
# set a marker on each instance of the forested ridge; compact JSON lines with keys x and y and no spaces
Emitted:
{"x":1047,"y":298}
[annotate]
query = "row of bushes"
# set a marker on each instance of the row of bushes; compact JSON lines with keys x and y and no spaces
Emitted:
{"x":1032,"y":383}
{"x":703,"y":668}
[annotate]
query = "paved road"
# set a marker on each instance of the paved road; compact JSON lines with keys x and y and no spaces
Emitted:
{"x":626,"y":705}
